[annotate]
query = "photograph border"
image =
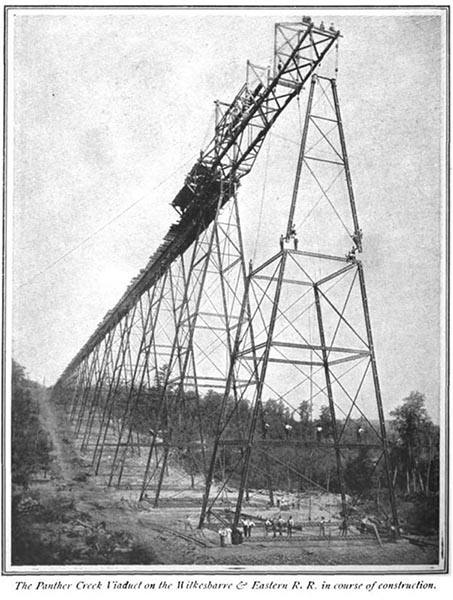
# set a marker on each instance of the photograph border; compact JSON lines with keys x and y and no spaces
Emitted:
{"x":210,"y":570}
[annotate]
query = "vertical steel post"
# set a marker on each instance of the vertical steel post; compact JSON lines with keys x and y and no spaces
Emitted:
{"x":259,"y":391}
{"x":325,"y":360}
{"x":97,"y":391}
{"x":377,"y":389}
{"x":108,"y":403}
{"x":149,"y":326}
{"x":81,"y":377}
{"x":163,"y":391}
{"x":128,"y":412}
{"x":193,"y":322}
{"x":347,"y":171}
{"x":229,"y":385}
{"x":301,"y":157}
{"x":87,"y":390}
{"x":124,"y":345}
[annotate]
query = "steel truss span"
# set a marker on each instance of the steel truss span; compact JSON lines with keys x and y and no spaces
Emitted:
{"x":172,"y":386}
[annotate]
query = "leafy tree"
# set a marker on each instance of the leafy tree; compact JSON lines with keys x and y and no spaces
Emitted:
{"x":304,"y":411}
{"x":29,"y":442}
{"x":305,"y":425}
{"x":325,"y":421}
{"x":414,"y":432}
{"x":359,"y":472}
{"x":277,"y":415}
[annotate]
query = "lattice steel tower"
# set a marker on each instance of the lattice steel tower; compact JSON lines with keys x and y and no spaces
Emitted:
{"x":305,"y":330}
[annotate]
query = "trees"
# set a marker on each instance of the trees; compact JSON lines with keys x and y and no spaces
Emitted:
{"x":30,"y":445}
{"x":324,"y":421}
{"x":359,"y":472}
{"x":416,"y":439}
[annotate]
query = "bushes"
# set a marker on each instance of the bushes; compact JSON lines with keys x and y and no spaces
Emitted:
{"x":423,"y":517}
{"x":359,"y":472}
{"x":30,"y":444}
{"x":52,"y":532}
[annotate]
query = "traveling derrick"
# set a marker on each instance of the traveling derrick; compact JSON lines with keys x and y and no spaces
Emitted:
{"x":239,"y":134}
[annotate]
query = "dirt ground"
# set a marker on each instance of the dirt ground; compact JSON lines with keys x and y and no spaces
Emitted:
{"x":168,"y":535}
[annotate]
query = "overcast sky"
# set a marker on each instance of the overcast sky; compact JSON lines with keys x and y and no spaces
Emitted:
{"x":109,"y":109}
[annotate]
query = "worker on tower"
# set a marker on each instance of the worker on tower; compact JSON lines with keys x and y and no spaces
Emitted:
{"x":357,"y":238}
{"x":296,"y":243}
{"x":282,"y":242}
{"x":248,"y":101}
{"x":350,"y":256}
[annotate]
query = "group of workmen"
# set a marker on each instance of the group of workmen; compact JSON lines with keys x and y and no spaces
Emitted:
{"x":277,"y":526}
{"x":226,"y":533}
{"x":291,"y":236}
{"x":350,"y":256}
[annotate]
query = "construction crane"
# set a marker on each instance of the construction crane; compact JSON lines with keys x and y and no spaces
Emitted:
{"x":241,"y":128}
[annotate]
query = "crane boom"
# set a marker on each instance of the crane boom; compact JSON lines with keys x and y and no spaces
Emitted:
{"x":239,"y":135}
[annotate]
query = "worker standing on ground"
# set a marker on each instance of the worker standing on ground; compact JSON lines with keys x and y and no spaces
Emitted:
{"x":274,"y":527}
{"x":290,"y":526}
{"x":322,"y":527}
{"x":360,"y":432}
{"x":245,"y":527}
{"x":344,"y":527}
{"x":249,"y":529}
{"x":228,"y":535}
{"x":319,"y":434}
{"x":280,"y":524}
{"x":222,"y":536}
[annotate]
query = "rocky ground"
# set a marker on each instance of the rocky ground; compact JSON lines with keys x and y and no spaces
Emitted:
{"x":71,"y":517}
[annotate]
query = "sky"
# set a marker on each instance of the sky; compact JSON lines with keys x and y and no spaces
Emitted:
{"x":107,"y":112}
